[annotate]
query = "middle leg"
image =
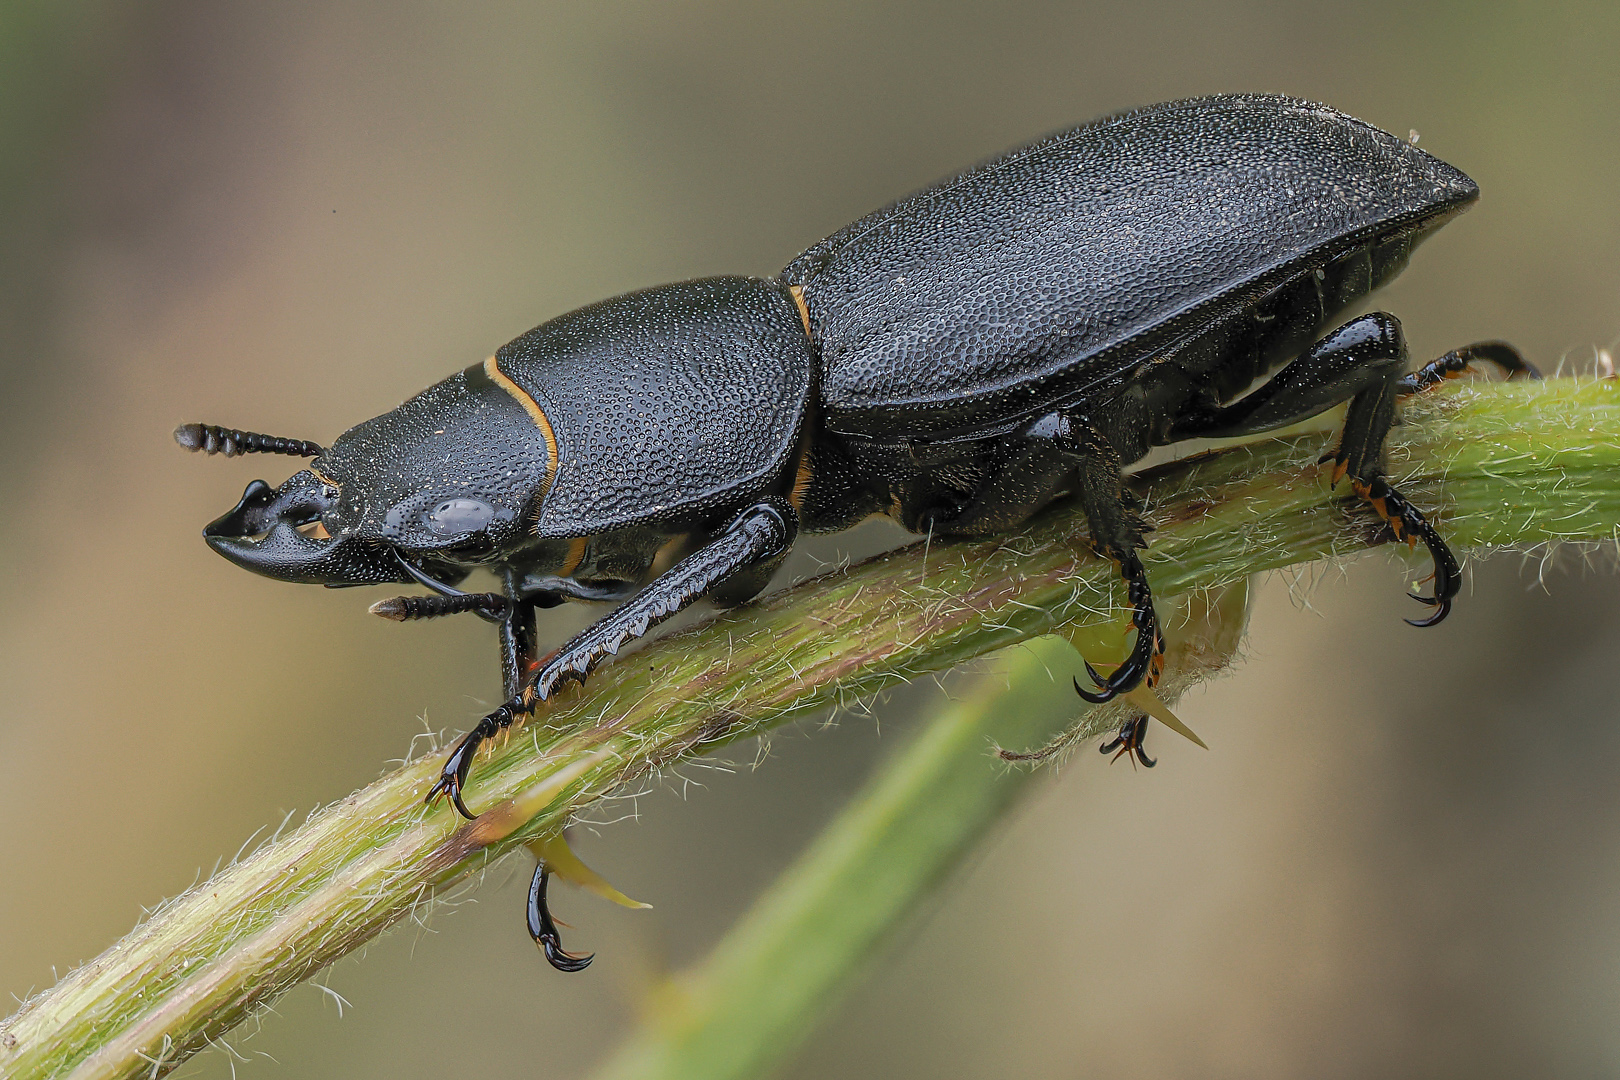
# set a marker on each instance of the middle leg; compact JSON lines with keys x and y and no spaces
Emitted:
{"x":1065,"y":448}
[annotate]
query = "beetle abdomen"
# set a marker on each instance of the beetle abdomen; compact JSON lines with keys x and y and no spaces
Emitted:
{"x":667,"y":402}
{"x":1057,"y":266}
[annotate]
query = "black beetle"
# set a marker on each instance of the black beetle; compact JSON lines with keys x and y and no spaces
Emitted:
{"x":955,"y":361}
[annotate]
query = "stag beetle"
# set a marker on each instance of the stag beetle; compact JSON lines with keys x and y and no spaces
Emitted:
{"x":955,"y":361}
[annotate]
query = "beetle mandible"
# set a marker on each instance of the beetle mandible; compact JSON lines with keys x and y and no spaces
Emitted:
{"x":955,"y":361}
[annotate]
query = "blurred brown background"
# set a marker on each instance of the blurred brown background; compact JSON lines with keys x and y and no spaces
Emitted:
{"x":1400,"y":857}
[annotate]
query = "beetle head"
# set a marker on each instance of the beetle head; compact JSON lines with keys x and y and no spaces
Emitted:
{"x":445,"y":481}
{"x":280,"y":533}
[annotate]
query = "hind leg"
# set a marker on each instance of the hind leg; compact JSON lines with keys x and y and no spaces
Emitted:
{"x":1363,"y":360}
{"x":1457,"y":362}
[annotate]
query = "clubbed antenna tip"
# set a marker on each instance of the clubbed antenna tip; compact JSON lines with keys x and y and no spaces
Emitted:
{"x":394,"y":609}
{"x":409,"y":608}
{"x":231,"y":442}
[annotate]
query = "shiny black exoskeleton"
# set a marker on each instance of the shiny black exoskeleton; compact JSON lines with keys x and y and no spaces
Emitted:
{"x":955,"y":361}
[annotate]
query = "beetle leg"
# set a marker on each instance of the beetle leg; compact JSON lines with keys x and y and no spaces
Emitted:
{"x":1131,"y":738}
{"x":759,"y":534}
{"x":1411,"y":526}
{"x":1456,"y":363}
{"x":517,"y":660}
{"x":544,"y":929}
{"x":517,"y":646}
{"x":453,"y":777}
{"x":1371,"y":414}
{"x":1044,"y":456}
{"x":1363,"y":355}
{"x":557,"y":859}
{"x":1361,"y":360}
{"x":1116,"y":532}
{"x":1147,"y":655}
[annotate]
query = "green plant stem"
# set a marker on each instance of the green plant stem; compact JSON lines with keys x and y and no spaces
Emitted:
{"x":1503,"y":464}
{"x":764,"y":987}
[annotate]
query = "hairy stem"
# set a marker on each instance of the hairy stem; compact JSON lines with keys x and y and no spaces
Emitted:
{"x":1501,"y":465}
{"x":762,"y":990}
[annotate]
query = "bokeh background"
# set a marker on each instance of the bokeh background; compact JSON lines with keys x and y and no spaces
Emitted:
{"x":1401,"y":856}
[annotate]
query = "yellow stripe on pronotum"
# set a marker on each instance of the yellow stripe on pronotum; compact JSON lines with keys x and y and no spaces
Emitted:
{"x":804,"y":312}
{"x":536,"y":413}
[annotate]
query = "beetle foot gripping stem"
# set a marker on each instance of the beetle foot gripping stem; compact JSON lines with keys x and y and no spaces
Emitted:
{"x":1409,"y":524}
{"x":453,"y":777}
{"x":1456,"y":363}
{"x":1147,"y":656}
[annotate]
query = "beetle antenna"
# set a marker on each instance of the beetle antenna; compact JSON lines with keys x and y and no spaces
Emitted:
{"x":231,"y":442}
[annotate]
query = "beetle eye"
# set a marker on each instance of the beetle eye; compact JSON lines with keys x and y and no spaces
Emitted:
{"x":452,"y":517}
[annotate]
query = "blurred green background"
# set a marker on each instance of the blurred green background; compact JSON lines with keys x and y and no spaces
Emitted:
{"x":1402,"y":855}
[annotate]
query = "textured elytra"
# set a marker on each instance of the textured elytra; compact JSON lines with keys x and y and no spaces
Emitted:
{"x":667,"y":402}
{"x":1059,"y":265}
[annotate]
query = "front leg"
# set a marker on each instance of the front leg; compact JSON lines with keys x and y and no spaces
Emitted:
{"x":758,"y":535}
{"x":517,"y":639}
